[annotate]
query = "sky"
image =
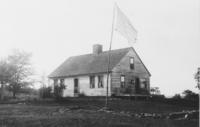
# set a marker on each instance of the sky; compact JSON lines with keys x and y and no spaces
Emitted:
{"x":168,"y":39}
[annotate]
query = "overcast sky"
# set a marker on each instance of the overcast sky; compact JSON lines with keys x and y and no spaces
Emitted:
{"x":168,"y":34}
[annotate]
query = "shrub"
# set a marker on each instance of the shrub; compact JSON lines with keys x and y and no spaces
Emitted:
{"x":157,"y":97}
{"x":177,"y":97}
{"x":82,"y":95}
{"x":189,"y":95}
{"x":58,"y":91}
{"x":45,"y":92}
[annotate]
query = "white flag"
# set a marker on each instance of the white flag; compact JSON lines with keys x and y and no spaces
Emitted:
{"x":124,"y":26}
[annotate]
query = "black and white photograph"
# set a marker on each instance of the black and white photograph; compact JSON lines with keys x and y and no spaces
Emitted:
{"x":99,"y":63}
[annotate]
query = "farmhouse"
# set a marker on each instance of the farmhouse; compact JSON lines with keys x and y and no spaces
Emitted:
{"x":87,"y":74}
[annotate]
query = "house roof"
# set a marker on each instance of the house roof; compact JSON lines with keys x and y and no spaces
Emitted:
{"x":89,"y":63}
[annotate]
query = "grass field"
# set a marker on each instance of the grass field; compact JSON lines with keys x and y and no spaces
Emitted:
{"x":86,"y":113}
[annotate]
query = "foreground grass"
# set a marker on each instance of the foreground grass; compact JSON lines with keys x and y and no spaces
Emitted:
{"x":54,"y":114}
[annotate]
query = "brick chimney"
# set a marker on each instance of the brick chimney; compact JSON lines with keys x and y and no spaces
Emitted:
{"x":97,"y":49}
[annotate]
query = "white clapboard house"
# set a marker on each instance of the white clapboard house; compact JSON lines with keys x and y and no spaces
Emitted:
{"x":87,"y":74}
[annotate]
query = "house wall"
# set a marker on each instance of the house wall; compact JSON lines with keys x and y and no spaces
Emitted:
{"x":69,"y":87}
{"x":123,"y":68}
{"x":84,"y":86}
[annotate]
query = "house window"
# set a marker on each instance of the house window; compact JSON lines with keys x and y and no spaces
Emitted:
{"x":132,"y":67}
{"x":100,"y":81}
{"x":62,"y":82}
{"x":143,"y":83}
{"x":132,"y":82}
{"x":55,"y":82}
{"x":92,"y":81}
{"x":122,"y":81}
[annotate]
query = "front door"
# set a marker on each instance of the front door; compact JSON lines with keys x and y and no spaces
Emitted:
{"x":137,"y":85}
{"x":76,"y":87}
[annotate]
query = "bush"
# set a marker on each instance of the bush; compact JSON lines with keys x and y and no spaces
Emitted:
{"x":28,"y":90}
{"x":82,"y":95}
{"x":45,"y":92}
{"x":157,"y":98}
{"x":189,"y":95}
{"x":58,"y":91}
{"x":177,"y":97}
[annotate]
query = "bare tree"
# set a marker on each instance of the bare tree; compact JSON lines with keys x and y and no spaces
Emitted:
{"x":43,"y":88}
{"x":5,"y":75}
{"x":21,"y":69}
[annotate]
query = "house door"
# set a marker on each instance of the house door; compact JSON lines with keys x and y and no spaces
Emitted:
{"x":137,"y":85}
{"x":76,"y":87}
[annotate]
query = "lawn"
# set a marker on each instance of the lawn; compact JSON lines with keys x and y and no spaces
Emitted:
{"x":87,"y":113}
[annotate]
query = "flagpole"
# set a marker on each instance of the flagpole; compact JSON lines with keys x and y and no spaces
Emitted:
{"x":108,"y":68}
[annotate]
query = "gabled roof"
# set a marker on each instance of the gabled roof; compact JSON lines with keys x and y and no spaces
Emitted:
{"x":142,"y":62}
{"x":89,"y":63}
